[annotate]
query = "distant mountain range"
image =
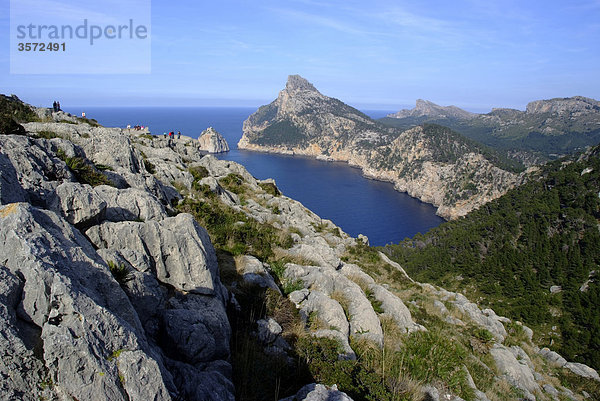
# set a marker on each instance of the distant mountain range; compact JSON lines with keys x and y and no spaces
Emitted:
{"x":547,"y":127}
{"x":429,"y":162}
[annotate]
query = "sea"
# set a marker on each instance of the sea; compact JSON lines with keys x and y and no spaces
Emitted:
{"x":333,"y":190}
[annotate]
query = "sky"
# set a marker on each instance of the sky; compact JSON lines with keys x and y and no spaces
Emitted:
{"x":380,"y":54}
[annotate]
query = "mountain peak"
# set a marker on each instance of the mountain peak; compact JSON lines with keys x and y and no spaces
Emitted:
{"x":425,"y":108}
{"x":575,"y":104}
{"x":296,"y":82}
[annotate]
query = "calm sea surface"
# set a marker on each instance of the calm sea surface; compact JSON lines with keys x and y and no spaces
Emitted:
{"x":334,"y":191}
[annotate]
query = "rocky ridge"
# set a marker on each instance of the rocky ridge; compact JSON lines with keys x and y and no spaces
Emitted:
{"x":303,"y":121}
{"x":425,"y":108}
{"x":546,"y":128}
{"x":108,"y":291}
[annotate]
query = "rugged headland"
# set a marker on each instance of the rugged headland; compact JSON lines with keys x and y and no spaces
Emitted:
{"x":135,"y":270}
{"x":428,"y":162}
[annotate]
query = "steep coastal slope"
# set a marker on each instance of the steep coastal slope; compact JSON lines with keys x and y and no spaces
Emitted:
{"x":532,"y":254}
{"x":135,"y":270}
{"x":428,"y":162}
{"x":546,"y":128}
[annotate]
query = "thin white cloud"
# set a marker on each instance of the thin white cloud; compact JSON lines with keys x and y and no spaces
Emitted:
{"x":327,"y":22}
{"x":61,"y":11}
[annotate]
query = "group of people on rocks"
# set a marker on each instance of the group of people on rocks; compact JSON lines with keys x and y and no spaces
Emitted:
{"x":56,"y":106}
{"x":136,"y":127}
{"x":172,"y":137}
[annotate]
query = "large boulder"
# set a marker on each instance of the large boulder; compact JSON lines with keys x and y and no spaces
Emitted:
{"x":362,"y":319}
{"x":391,"y":305}
{"x":180,"y":251}
{"x":146,"y":182}
{"x":79,"y":204}
{"x":36,"y":169}
{"x":582,"y":370}
{"x":196,"y":329}
{"x":130,"y":204}
{"x":329,"y":312}
{"x":253,"y":271}
{"x":486,"y":318}
{"x":517,"y":372}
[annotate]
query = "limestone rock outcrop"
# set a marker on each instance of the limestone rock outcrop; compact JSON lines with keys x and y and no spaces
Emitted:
{"x":69,"y":301}
{"x":212,"y":142}
{"x":134,"y":309}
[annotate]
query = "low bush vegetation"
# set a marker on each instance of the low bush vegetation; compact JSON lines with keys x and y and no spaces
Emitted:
{"x":270,"y":188}
{"x":233,"y":183}
{"x":85,"y":171}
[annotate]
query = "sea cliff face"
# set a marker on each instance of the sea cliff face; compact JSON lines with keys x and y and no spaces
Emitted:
{"x":428,"y":162}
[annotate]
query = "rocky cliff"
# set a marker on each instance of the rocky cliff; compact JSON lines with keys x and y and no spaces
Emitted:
{"x":212,"y":142}
{"x":428,"y":162}
{"x":135,"y":270}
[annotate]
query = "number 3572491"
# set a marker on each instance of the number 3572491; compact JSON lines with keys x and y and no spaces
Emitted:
{"x":41,"y":47}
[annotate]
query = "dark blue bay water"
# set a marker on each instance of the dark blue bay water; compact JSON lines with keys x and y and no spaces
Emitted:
{"x":334,"y":191}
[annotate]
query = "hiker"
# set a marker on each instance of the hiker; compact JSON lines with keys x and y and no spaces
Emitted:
{"x":54,"y":108}
{"x":58,"y":106}
{"x":178,"y":134}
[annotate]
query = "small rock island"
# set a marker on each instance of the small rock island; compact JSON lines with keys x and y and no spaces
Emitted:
{"x":212,"y":142}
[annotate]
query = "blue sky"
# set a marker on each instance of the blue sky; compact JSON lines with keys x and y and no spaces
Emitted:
{"x":373,"y":55}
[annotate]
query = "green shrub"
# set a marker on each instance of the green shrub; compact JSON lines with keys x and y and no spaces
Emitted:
{"x":375,"y":303}
{"x":429,"y":356}
{"x":321,"y":355}
{"x":290,"y":286}
{"x":8,"y":126}
{"x":150,"y":167}
{"x":46,"y":135}
{"x":270,"y":188}
{"x":233,"y":183}
{"x":203,"y":189}
{"x":120,"y":272}
{"x":231,"y":230}
{"x":103,"y":167}
{"x":84,"y":171}
{"x":482,"y":334}
{"x":516,"y":334}
{"x":91,"y":121}
{"x":198,"y":172}
{"x":14,"y":109}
